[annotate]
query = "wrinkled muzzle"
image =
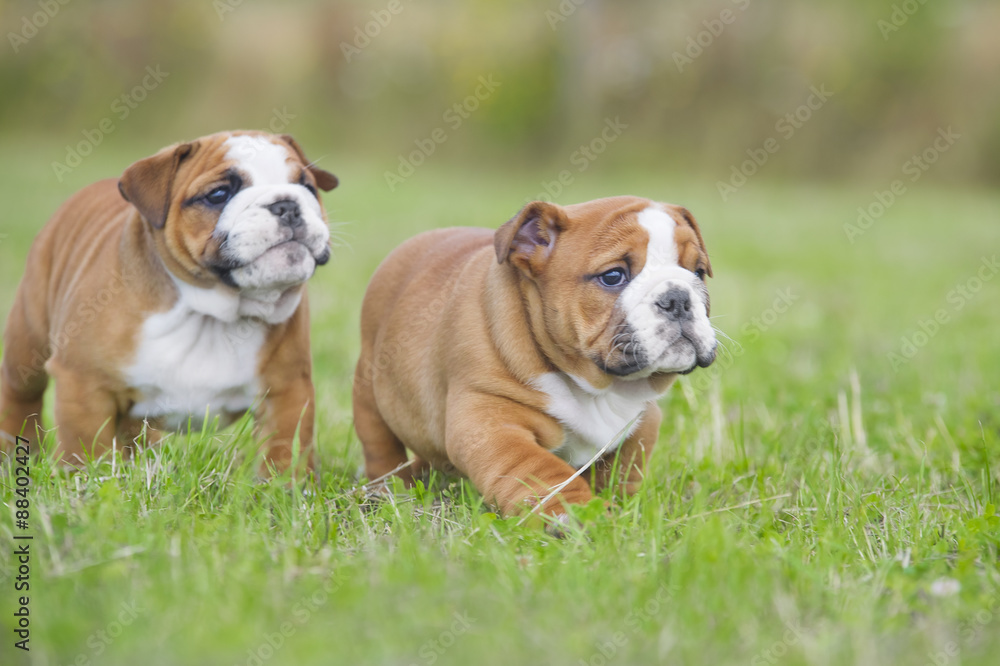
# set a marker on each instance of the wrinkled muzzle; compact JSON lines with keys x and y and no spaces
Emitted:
{"x":271,"y":237}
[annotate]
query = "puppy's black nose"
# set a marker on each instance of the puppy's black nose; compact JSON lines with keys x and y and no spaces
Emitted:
{"x":675,"y":303}
{"x":287,"y":212}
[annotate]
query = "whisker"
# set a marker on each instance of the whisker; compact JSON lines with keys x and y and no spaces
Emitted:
{"x":726,"y":337}
{"x":723,"y":334}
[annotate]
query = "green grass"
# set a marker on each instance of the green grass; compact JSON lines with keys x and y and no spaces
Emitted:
{"x":807,"y":502}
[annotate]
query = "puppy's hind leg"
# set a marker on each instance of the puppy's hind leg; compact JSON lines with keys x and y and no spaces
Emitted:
{"x":23,"y":377}
{"x":384,"y":452}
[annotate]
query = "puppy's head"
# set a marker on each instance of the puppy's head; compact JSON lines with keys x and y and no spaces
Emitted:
{"x":240,"y":208}
{"x":620,"y":285}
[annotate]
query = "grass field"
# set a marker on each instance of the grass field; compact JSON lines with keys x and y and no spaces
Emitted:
{"x":813,"y":498}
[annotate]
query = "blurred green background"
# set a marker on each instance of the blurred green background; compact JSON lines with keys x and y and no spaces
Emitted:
{"x":697,"y":84}
{"x":808,"y":478}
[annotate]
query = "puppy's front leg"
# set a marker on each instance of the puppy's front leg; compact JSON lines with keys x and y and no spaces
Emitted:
{"x":285,"y":409}
{"x":631,"y":457}
{"x":493,"y":442}
{"x":290,"y":400}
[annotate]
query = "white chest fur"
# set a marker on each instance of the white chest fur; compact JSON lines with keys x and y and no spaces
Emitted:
{"x":591,"y":418}
{"x":199,"y":357}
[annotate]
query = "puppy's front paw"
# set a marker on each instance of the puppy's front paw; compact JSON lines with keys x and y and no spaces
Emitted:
{"x":557,"y":526}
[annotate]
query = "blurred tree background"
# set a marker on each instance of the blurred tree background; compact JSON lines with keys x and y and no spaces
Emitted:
{"x":698,"y":84}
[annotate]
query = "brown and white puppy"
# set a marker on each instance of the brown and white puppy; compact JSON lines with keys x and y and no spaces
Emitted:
{"x":172,"y":293}
{"x":514,"y":357}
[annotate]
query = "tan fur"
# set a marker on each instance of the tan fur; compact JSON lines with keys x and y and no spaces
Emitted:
{"x":96,"y":272}
{"x":455,"y":325}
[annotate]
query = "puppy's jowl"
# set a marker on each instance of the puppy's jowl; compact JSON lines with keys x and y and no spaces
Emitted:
{"x":176,"y":291}
{"x":515,"y":356}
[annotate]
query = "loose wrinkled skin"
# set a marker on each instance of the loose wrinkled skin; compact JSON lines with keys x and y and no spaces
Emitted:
{"x":148,"y":302}
{"x":500,"y":354}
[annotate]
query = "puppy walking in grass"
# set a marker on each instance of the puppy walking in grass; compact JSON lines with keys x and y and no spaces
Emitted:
{"x":517,"y":356}
{"x":175,"y":291}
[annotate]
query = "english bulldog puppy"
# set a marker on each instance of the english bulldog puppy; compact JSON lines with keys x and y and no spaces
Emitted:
{"x":515,"y":356}
{"x":175,"y":292}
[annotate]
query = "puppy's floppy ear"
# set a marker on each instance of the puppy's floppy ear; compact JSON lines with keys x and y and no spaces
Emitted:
{"x":689,"y":218}
{"x":325,"y":180}
{"x":147,"y":183}
{"x":528,"y":238}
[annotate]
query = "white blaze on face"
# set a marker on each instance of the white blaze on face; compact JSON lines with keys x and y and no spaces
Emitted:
{"x":269,"y":255}
{"x":669,"y":345}
{"x":203,"y":353}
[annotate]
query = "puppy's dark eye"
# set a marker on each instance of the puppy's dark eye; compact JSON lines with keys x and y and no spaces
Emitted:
{"x":220,"y":195}
{"x":700,"y":274}
{"x":614,"y":278}
{"x":306,"y":184}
